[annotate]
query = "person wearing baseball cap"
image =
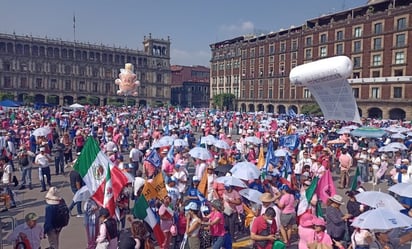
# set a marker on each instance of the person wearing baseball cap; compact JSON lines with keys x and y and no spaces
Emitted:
{"x":193,"y":225}
{"x":29,"y":232}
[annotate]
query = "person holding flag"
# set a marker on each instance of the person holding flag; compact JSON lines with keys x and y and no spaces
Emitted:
{"x":166,"y":222}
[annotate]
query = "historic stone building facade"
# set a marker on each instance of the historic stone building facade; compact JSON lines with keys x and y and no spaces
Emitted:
{"x":60,"y":72}
{"x":190,"y":86}
{"x":376,"y":37}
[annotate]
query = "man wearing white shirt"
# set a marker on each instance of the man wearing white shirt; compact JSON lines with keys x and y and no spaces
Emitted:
{"x":135,"y":156}
{"x":42,"y":160}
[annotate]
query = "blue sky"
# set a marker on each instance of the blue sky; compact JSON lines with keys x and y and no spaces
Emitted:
{"x":192,"y":25}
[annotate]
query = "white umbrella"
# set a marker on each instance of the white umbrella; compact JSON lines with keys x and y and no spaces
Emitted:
{"x":376,"y":199}
{"x":398,"y":135}
{"x":76,"y":106}
{"x":281,"y":152}
{"x":124,"y":114}
{"x":42,"y":131}
{"x":387,"y":149}
{"x":402,"y":189}
{"x":221,"y":144}
{"x":166,"y":141}
{"x":231,"y":181}
{"x":180,"y":142}
{"x":245,"y":171}
{"x":397,"y":129}
{"x":82,"y":194}
{"x":350,"y":127}
{"x":253,"y":140}
{"x":382,"y":219}
{"x":209,"y":139}
{"x":251,"y":195}
{"x":200,"y":153}
{"x":397,"y":145}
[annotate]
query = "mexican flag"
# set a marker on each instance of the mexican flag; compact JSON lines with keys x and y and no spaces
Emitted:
{"x":96,"y":170}
{"x":356,"y":180}
{"x":108,"y":199}
{"x":142,"y":211}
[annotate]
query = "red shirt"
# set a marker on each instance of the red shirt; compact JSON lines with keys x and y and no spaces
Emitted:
{"x":259,"y":225}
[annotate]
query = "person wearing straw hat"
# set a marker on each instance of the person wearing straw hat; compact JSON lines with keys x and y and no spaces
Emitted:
{"x":51,"y":228}
{"x":28,"y":232}
{"x":335,"y":219}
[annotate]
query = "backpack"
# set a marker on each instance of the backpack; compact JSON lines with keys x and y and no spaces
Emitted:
{"x":111,"y":228}
{"x":62,"y":215}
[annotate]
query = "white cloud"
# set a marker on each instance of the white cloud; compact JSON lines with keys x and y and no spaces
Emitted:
{"x":189,"y":58}
{"x":240,"y":28}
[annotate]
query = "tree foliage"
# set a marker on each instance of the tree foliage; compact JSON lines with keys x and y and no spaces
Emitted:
{"x":224,"y":101}
{"x":312,"y":109}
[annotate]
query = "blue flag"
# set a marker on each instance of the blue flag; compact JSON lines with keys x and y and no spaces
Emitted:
{"x":170,"y":154}
{"x":291,"y":141}
{"x":167,"y":130}
{"x":154,"y":159}
{"x":292,"y":113}
{"x":270,"y":155}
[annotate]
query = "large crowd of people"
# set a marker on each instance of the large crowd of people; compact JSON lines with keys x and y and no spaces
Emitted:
{"x":201,"y":210}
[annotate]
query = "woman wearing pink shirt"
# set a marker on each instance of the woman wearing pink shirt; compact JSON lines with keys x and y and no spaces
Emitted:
{"x":217,"y":224}
{"x":305,"y":230}
{"x":321,"y":237}
{"x":286,"y":203}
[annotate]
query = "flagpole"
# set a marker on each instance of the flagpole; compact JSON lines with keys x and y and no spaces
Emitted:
{"x":74,"y":27}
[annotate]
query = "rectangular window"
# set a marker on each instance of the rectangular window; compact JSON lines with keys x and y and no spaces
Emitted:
{"x":377,"y":28}
{"x":323,"y":38}
{"x":356,"y":62}
{"x":377,"y":43}
{"x":308,"y":53}
{"x":7,"y":81}
{"x":400,"y":40}
{"x":375,"y":91}
{"x":355,"y":92}
{"x":39,"y":83}
{"x":339,"y":35}
{"x":294,"y":56}
{"x":306,"y":94}
{"x":397,"y":92}
{"x":308,"y":41}
{"x":23,"y":82}
{"x":53,"y":84}
{"x":399,"y":58}
{"x":376,"y":74}
{"x":82,"y":86}
{"x":68,"y":85}
{"x":398,"y":72}
{"x":95,"y":87}
{"x":261,"y":51}
{"x":323,"y":52}
{"x":358,"y":32}
{"x":357,"y":46}
{"x":283,"y":47}
{"x":252,"y":52}
{"x":339,"y":49}
{"x":271,"y":49}
{"x":377,"y":60}
{"x":401,"y":23}
{"x":294,"y":45}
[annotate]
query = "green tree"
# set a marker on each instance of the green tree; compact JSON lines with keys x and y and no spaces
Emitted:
{"x":28,"y":99}
{"x":312,"y":109}
{"x":4,"y":96}
{"x":224,"y":101}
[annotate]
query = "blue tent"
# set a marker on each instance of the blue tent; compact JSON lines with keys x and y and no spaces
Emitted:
{"x":9,"y":103}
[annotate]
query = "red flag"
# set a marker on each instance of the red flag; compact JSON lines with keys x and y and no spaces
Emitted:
{"x":326,"y":188}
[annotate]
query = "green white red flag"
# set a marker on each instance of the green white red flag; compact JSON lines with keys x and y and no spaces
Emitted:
{"x":142,"y":211}
{"x":104,"y":181}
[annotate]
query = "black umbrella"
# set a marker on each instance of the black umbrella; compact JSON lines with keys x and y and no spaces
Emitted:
{"x":222,"y":170}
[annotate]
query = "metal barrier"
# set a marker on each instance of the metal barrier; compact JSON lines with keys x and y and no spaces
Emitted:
{"x":13,"y":224}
